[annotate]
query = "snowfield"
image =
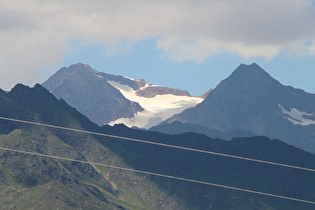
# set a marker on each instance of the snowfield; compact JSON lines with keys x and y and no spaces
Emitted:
{"x":296,"y":116}
{"x":156,"y":109}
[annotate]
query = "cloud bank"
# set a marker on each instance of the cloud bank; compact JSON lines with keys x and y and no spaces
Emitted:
{"x":35,"y":34}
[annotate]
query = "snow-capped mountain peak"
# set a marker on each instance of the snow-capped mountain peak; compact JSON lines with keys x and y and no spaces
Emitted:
{"x":156,"y":109}
{"x":115,"y":100}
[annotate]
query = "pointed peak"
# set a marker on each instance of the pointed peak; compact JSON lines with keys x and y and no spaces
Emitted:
{"x":38,"y":86}
{"x":20,"y":86}
{"x":80,"y":66}
{"x":251,"y":77}
{"x":250,"y":67}
{"x":251,"y":71}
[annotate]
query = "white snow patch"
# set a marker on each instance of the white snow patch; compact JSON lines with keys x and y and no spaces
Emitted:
{"x":97,"y":74}
{"x":156,"y":109}
{"x":131,"y":78}
{"x":122,"y":88}
{"x":149,"y":85}
{"x":296,"y":116}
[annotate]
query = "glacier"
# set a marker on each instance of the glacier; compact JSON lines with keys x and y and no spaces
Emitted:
{"x":156,"y":109}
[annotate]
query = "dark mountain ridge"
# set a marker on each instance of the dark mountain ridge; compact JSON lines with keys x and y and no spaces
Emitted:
{"x":60,"y":184}
{"x":177,"y":127}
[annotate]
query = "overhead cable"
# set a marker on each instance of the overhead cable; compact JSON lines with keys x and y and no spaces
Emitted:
{"x":162,"y":144}
{"x":164,"y":176}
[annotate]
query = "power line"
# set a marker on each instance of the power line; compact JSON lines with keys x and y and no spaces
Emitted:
{"x":164,"y":176}
{"x":162,"y":144}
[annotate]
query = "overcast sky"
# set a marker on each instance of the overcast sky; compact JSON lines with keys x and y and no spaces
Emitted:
{"x":187,"y":44}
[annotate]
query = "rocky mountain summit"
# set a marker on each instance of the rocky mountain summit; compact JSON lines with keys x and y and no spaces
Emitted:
{"x":106,"y":98}
{"x":90,"y":93}
{"x":251,"y":100}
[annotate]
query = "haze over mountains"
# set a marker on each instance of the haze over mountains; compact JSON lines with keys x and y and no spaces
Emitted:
{"x":30,"y":181}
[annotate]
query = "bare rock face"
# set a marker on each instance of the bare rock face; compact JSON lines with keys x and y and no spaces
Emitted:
{"x":89,"y":92}
{"x":206,"y":93}
{"x":152,"y":91}
{"x":93,"y":94}
{"x":251,"y":100}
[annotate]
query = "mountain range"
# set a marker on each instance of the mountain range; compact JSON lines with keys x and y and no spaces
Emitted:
{"x":33,"y":182}
{"x":116,"y":167}
{"x":113,"y":99}
{"x":247,"y":103}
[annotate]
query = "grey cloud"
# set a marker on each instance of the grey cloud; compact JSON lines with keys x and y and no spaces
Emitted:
{"x":16,"y":20}
{"x":252,"y":22}
{"x":266,"y":22}
{"x":33,"y":33}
